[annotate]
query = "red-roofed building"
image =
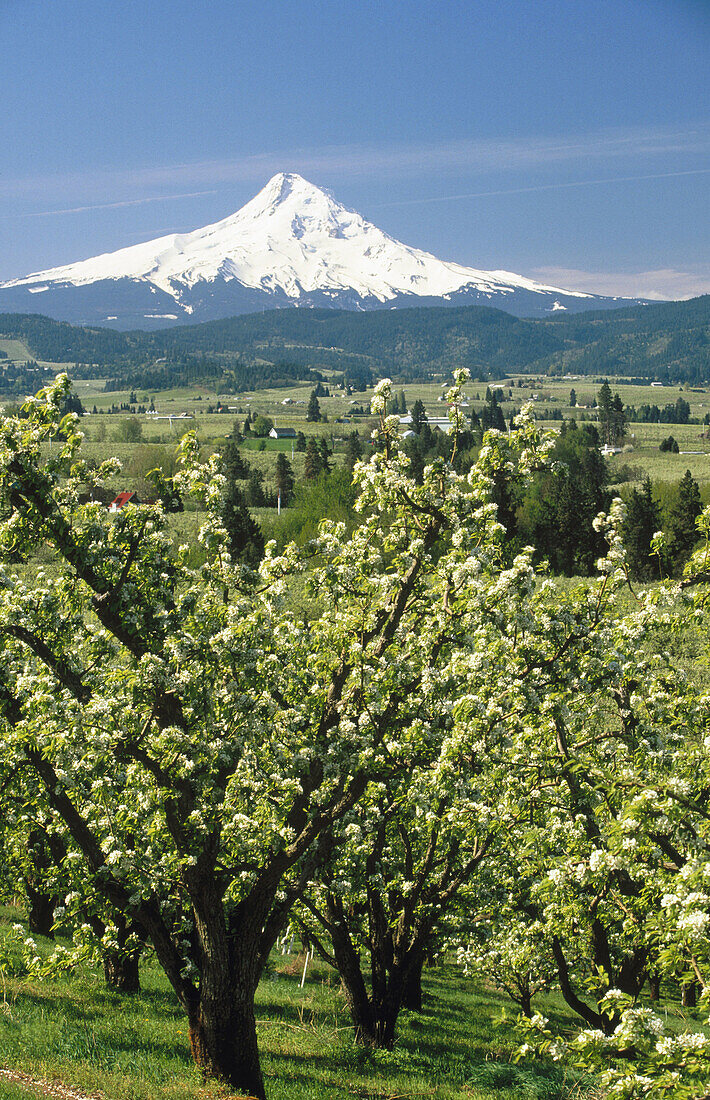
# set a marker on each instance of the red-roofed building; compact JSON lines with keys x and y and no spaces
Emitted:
{"x":127,"y":497}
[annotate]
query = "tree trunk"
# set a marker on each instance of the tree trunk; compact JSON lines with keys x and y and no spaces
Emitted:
{"x":526,"y":1001}
{"x":412,"y":990}
{"x":221,"y":1019}
{"x":374,"y":1015}
{"x":353,"y":983}
{"x":654,"y":987}
{"x":40,"y":911}
{"x":689,"y":994}
{"x":121,"y":970}
{"x":224,"y":1046}
{"x":386,"y":1013}
{"x":44,"y":850}
{"x":121,"y":965}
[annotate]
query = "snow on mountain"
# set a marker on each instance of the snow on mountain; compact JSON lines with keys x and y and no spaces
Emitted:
{"x":292,"y":244}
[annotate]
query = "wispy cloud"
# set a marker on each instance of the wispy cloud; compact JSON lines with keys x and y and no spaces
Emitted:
{"x":110,"y":205}
{"x":545,"y":187}
{"x":475,"y":157}
{"x":660,"y":284}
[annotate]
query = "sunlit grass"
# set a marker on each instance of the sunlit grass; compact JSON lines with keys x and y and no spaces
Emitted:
{"x":74,"y":1030}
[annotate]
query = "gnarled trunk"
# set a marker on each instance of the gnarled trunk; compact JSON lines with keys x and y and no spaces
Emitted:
{"x":412,"y":990}
{"x":374,"y":1014}
{"x":386,"y":1008}
{"x":221,"y":1017}
{"x":223,"y":1043}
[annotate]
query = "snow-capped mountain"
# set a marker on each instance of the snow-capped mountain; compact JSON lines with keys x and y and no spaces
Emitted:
{"x":291,"y":245}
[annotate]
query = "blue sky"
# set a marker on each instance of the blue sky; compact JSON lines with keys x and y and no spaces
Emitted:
{"x":562,"y":139}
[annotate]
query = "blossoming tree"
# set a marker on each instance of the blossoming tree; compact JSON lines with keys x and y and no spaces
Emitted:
{"x":195,"y":739}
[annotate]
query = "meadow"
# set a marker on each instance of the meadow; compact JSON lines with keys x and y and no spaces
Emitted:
{"x":74,"y":1030}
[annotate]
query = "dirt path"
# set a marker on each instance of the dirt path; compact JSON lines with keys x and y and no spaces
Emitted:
{"x":44,"y":1088}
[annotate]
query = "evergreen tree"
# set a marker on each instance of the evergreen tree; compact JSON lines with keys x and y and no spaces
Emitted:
{"x":572,"y":398}
{"x":300,"y":442}
{"x":682,"y":532}
{"x":416,"y":451}
{"x":256,"y":496}
{"x":313,"y":413}
{"x":604,"y":400}
{"x":246,"y":542}
{"x":402,"y":403}
{"x":618,"y":420}
{"x":324,"y":455}
{"x":641,"y":523}
{"x":612,"y":417}
{"x":353,"y":450}
{"x":682,"y":411}
{"x":559,"y":507}
{"x":313,"y":465}
{"x":235,"y":465}
{"x":284,"y":477}
{"x":419,"y":417}
{"x":492,"y":414}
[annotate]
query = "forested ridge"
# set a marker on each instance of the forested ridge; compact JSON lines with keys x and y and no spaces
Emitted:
{"x":669,"y":341}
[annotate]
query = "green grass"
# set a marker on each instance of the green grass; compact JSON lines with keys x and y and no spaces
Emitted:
{"x":76,"y":1031}
{"x":10,"y":1091}
{"x":661,"y":466}
{"x":15,"y":349}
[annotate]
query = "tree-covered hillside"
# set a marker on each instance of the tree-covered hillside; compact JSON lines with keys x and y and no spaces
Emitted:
{"x":669,"y":341}
{"x":60,"y":342}
{"x":409,"y":342}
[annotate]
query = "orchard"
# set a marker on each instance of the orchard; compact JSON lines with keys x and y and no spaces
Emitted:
{"x":447,"y":752}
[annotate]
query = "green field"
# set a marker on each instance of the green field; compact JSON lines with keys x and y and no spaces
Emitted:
{"x":287,"y":407}
{"x":76,"y":1031}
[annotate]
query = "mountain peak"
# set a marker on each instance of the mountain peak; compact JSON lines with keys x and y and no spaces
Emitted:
{"x":292,"y":244}
{"x":281,"y":186}
{"x":287,"y":188}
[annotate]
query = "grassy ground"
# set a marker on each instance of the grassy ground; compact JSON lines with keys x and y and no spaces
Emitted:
{"x":135,"y":1048}
{"x":8,"y":1091}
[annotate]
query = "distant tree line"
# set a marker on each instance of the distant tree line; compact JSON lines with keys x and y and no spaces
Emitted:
{"x":677,"y":413}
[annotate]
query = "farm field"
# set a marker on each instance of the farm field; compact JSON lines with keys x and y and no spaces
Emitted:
{"x":641,"y":455}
